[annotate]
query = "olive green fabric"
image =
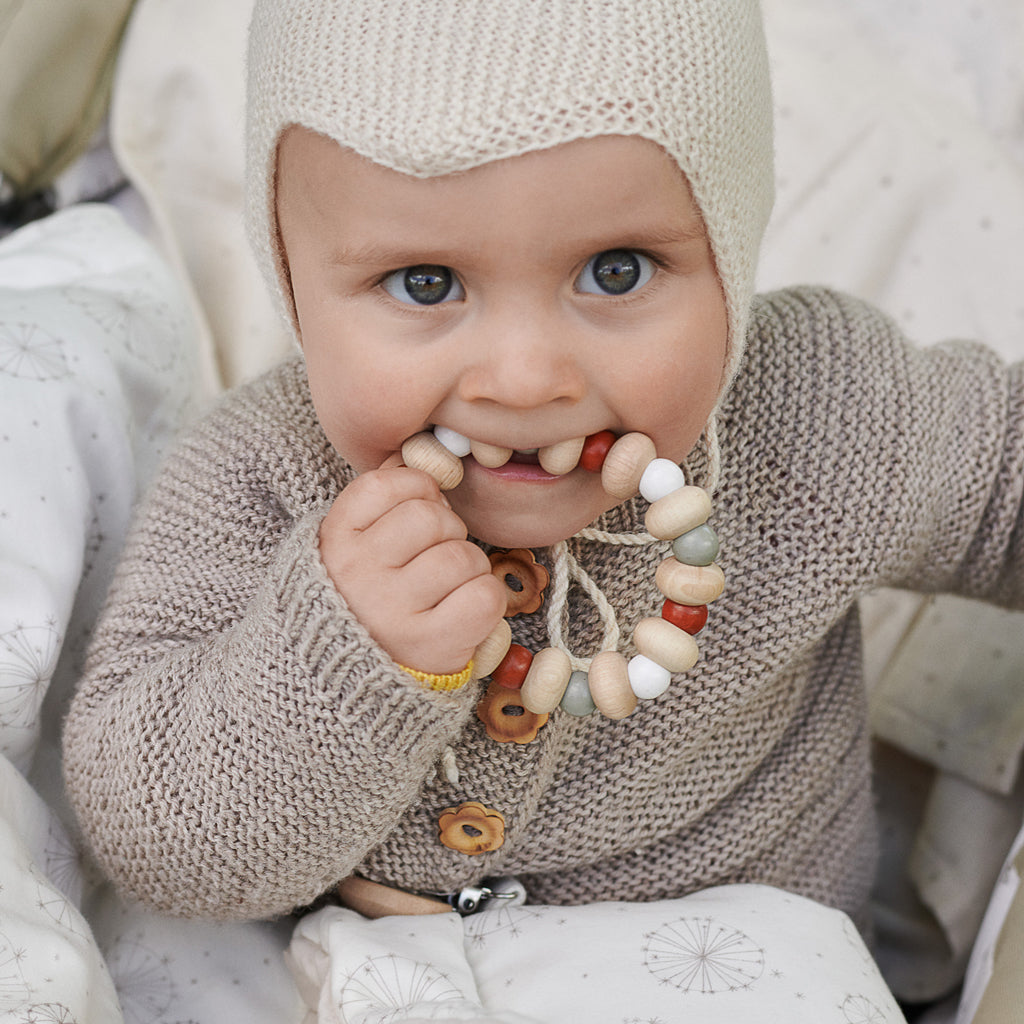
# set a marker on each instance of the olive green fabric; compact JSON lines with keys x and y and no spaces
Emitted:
{"x":58,"y":60}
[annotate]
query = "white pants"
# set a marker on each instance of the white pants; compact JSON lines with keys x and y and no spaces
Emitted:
{"x":728,"y":955}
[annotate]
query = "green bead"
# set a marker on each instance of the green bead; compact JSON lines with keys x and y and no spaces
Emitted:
{"x":577,"y":700}
{"x":698,"y":547}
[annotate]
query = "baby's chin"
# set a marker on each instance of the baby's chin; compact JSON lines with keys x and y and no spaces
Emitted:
{"x":524,"y":531}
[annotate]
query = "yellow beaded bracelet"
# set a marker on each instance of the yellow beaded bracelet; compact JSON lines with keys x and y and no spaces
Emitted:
{"x":452,"y":681}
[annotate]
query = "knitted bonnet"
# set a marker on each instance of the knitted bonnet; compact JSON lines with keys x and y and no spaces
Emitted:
{"x":431,"y":87}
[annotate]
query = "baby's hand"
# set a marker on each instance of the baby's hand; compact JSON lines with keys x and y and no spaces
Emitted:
{"x":399,"y":556}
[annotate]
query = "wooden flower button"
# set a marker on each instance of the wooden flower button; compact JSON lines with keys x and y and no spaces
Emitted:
{"x":524,"y":579}
{"x":471,"y":828}
{"x":504,"y":716}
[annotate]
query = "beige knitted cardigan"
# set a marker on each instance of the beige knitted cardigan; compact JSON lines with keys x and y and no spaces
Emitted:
{"x":238,"y":743}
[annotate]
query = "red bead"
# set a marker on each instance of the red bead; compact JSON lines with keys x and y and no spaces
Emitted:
{"x":688,"y":617}
{"x":595,"y":448}
{"x":513,"y":668}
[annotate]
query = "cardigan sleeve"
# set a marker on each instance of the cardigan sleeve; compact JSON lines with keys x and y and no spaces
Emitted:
{"x":238,"y":742}
{"x":895,"y":465}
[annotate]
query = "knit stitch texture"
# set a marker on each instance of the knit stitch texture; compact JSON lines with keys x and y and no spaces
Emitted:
{"x":239,"y":744}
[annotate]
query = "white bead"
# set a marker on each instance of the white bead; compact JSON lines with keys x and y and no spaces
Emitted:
{"x":647,"y":679}
{"x":660,"y":478}
{"x":458,"y":445}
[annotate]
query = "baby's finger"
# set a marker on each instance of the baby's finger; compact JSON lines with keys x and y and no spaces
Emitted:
{"x":409,"y":529}
{"x":373,"y":494}
{"x":439,"y":570}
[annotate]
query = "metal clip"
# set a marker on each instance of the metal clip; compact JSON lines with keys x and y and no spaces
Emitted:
{"x":473,"y":898}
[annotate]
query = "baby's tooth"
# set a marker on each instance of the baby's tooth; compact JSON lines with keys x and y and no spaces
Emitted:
{"x":490,"y":455}
{"x":453,"y":441}
{"x":559,"y":459}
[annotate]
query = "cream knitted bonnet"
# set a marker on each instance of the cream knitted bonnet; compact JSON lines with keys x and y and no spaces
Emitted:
{"x":429,"y":87}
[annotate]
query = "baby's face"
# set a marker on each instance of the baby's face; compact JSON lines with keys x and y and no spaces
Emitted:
{"x":522,"y":303}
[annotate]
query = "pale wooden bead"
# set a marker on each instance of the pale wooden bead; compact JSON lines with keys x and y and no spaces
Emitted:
{"x":609,"y":685}
{"x":647,"y":679}
{"x":689,"y":584}
{"x":458,"y":444}
{"x":660,"y":478}
{"x":564,"y":457}
{"x":546,"y":681}
{"x":489,"y":652}
{"x":677,"y":513}
{"x":424,"y":451}
{"x":666,"y":644}
{"x":625,"y":464}
{"x":490,"y":455}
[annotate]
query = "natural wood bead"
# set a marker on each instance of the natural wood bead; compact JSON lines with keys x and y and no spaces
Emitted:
{"x":490,"y":651}
{"x":678,"y":513}
{"x":689,"y":617}
{"x":689,"y":584}
{"x":609,"y":685}
{"x":490,"y":455}
{"x":424,"y":451}
{"x":564,"y":457}
{"x":513,"y":668}
{"x":595,"y":450}
{"x":666,"y":644}
{"x":546,"y":680}
{"x":625,"y":464}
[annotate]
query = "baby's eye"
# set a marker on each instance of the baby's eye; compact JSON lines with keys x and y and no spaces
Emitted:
{"x":615,"y":272}
{"x":424,"y":285}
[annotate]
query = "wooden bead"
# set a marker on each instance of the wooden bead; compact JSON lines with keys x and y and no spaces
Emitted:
{"x":546,"y":680}
{"x":625,"y":464}
{"x":698,"y":546}
{"x":668,"y":645}
{"x":679,"y":512}
{"x":576,"y":700}
{"x":647,"y":679}
{"x":689,"y":584}
{"x":661,"y":478}
{"x":609,"y":685}
{"x":513,"y":668}
{"x":458,"y":444}
{"x":690,"y":617}
{"x":424,"y":451}
{"x":595,"y":450}
{"x":564,"y":457}
{"x":490,"y":455}
{"x":491,"y":650}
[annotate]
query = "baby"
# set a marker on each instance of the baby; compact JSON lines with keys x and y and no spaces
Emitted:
{"x":516,"y":243}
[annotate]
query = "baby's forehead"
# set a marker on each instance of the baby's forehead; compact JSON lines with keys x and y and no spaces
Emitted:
{"x":607,"y":187}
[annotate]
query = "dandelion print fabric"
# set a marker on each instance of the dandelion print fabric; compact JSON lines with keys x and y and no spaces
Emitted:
{"x":729,"y":955}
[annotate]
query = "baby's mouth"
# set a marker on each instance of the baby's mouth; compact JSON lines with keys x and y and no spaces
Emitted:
{"x":557,"y":459}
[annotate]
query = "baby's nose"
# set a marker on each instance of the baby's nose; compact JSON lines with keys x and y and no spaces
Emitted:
{"x":524,"y":366}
